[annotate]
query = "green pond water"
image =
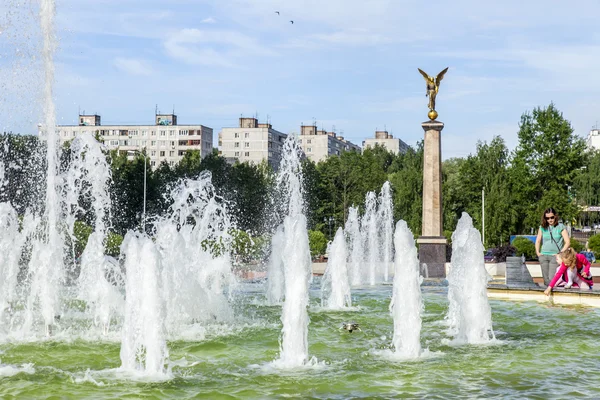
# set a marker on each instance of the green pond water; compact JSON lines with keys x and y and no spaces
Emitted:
{"x":542,"y":352}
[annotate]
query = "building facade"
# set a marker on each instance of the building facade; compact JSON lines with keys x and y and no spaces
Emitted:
{"x":593,"y":139}
{"x":164,"y":141}
{"x":319,"y":144}
{"x":383,"y":138}
{"x":252,"y":142}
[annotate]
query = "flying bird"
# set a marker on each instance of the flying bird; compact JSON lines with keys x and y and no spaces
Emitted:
{"x":277,"y":12}
{"x":292,"y":22}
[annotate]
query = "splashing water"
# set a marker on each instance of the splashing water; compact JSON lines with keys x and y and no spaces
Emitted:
{"x":469,"y":313}
{"x":370,"y":234}
{"x":296,"y":263}
{"x":143,"y":347}
{"x":407,"y":304}
{"x":194,"y":244}
{"x":100,"y":279}
{"x":11,"y":243}
{"x":46,"y":269}
{"x":386,"y":226}
{"x":355,"y":247}
{"x":335,"y":287}
{"x":275,"y":278}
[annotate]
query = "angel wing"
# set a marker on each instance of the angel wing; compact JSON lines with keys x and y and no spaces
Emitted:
{"x":428,"y":78}
{"x":440,"y":76}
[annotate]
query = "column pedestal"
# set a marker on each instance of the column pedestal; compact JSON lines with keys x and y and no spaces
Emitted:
{"x":432,"y":243}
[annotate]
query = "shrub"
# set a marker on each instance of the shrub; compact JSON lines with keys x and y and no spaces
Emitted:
{"x":594,"y":245}
{"x":577,"y":245}
{"x":113,"y":244}
{"x":317,"y":242}
{"x":500,"y":253}
{"x":524,"y":246}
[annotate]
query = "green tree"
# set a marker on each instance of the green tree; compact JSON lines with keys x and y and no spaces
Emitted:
{"x":594,"y":245}
{"x":317,"y":243}
{"x":586,"y":186}
{"x":487,"y":170}
{"x":407,"y":182}
{"x":524,"y":246}
{"x":545,"y":164}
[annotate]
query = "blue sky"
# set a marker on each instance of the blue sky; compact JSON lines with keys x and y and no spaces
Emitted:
{"x":351,"y":64}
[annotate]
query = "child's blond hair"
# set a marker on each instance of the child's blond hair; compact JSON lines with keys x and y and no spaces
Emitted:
{"x":569,"y":257}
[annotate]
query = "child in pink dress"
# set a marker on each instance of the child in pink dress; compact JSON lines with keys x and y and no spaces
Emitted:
{"x":574,"y":270}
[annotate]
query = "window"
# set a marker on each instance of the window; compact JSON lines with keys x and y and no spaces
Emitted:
{"x":247,"y":144}
{"x":172,"y":143}
{"x":237,"y":153}
{"x":153,"y":143}
{"x":171,"y":153}
{"x":153,"y":163}
{"x":308,"y":141}
{"x":237,"y":144}
{"x":183,"y":133}
{"x":171,"y":133}
{"x":153,"y":133}
{"x":309,"y":149}
{"x":133,"y":133}
{"x":270,"y":145}
{"x":247,"y":154}
{"x":270,"y":154}
{"x":246,"y":134}
{"x":163,"y":133}
{"x":162,"y":153}
{"x":300,"y":141}
{"x":162,"y":143}
{"x":144,"y":133}
{"x":153,"y":153}
{"x":236,"y":135}
{"x":171,"y":163}
{"x":123,"y":143}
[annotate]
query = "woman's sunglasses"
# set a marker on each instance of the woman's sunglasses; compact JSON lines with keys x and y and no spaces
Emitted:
{"x":550,"y":218}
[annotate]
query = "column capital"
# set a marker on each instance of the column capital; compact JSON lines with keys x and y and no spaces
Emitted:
{"x":432,"y":125}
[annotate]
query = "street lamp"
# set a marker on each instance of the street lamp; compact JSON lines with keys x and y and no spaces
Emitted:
{"x":132,"y":153}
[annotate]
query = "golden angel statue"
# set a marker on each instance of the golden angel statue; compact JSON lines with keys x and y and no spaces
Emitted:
{"x":433,"y":85}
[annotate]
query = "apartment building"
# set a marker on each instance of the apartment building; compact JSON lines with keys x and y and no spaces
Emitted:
{"x":593,"y":139}
{"x":253,"y":142}
{"x":164,"y":141}
{"x":383,"y":138}
{"x":320,"y":144}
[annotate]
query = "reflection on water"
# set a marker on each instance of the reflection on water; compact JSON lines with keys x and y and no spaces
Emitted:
{"x":538,"y":353}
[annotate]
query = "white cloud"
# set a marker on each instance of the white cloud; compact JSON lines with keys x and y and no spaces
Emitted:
{"x":195,"y":46}
{"x":209,"y":20}
{"x":133,"y":66}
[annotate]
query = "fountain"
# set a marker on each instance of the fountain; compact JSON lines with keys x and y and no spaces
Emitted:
{"x":407,"y":304}
{"x":170,"y":309}
{"x":296,"y":263}
{"x":370,"y":234}
{"x":355,"y":247}
{"x":386,"y":224}
{"x":335,"y":287}
{"x":469,"y":314}
{"x":143,"y":347}
{"x":275,"y":282}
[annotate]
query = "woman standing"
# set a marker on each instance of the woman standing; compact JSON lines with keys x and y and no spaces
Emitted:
{"x":552,"y":237}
